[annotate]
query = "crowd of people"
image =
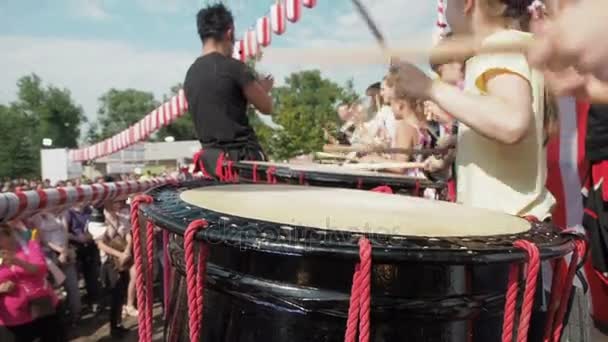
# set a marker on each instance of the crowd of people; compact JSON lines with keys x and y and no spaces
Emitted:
{"x":393,"y":119}
{"x":43,"y":259}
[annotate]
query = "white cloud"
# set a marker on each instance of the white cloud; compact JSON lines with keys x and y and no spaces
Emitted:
{"x":89,"y":68}
{"x":92,"y":9}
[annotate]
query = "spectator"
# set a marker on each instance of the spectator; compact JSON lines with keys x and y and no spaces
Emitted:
{"x":116,"y":259}
{"x":117,"y":216}
{"x":54,"y":237}
{"x":87,"y":254}
{"x":27,"y":303}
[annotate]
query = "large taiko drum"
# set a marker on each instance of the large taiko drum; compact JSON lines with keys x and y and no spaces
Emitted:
{"x":282,"y":258}
{"x":326,"y":175}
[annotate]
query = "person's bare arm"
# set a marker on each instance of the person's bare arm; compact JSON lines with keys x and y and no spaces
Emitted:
{"x":109,"y":250}
{"x":505,"y":114}
{"x":257,"y":93}
{"x":56,"y":248}
{"x":405,"y":137}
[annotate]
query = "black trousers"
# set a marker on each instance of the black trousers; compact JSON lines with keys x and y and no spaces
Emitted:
{"x":116,"y":285}
{"x":87,"y":257}
{"x":46,"y":329}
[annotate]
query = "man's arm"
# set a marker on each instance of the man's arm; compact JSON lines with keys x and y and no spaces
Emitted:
{"x":256,"y":93}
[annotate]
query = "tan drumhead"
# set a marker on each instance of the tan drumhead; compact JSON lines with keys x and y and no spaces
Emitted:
{"x":352,"y":210}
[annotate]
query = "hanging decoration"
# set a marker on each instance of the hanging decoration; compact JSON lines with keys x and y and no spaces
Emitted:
{"x":277,"y":18}
{"x":309,"y":3}
{"x":441,"y":26}
{"x":293,"y":10}
{"x":251,"y":44}
{"x":263,"y":31}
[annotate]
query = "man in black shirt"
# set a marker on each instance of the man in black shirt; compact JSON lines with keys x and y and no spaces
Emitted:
{"x":218,"y":89}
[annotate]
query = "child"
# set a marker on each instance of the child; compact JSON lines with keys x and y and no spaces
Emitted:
{"x":501,"y":161}
{"x":409,"y":127}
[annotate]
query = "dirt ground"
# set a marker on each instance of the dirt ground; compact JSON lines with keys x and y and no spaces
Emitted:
{"x":94,"y":328}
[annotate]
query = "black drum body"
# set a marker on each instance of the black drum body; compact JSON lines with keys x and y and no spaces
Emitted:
{"x":252,"y":172}
{"x":275,"y":283}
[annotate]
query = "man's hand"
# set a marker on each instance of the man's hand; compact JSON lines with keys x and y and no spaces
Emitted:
{"x":7,"y":287}
{"x":575,"y":39}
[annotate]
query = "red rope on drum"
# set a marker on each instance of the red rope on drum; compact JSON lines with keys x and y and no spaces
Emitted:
{"x":144,"y":322}
{"x":255,"y":173}
{"x":270,"y":178}
{"x":195,"y":278}
{"x":533,"y":268}
{"x":510,"y":304}
{"x":301,"y":178}
{"x":579,"y":254}
{"x":231,"y":175}
{"x":417,"y":189}
{"x":149,"y":276}
{"x":530,"y":289}
{"x":360,"y":297}
{"x":219,"y":167}
{"x":359,"y":183}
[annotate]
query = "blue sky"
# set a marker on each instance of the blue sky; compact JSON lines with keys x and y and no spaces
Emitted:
{"x":89,"y":46}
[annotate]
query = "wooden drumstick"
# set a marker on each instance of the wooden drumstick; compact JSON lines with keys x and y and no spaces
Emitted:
{"x":371,"y":24}
{"x":384,"y":165}
{"x":392,"y":150}
{"x":455,"y":49}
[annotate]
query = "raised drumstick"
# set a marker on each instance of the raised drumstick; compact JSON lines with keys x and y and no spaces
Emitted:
{"x":454,"y":49}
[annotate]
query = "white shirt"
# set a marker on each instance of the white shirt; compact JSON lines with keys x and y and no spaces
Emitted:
{"x":384,"y":120}
{"x":51,"y":229}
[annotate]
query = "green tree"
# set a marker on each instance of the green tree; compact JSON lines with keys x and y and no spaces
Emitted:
{"x":52,"y":110}
{"x":303,"y":107}
{"x":119,"y":109}
{"x":182,"y":128}
{"x":93,"y":134}
{"x":20,"y":149}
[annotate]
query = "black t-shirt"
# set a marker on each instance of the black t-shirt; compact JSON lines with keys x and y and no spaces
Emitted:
{"x":214,"y":88}
{"x":596,"y":142}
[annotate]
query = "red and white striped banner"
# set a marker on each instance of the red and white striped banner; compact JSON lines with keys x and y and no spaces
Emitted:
{"x":15,"y":205}
{"x":141,"y":130}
